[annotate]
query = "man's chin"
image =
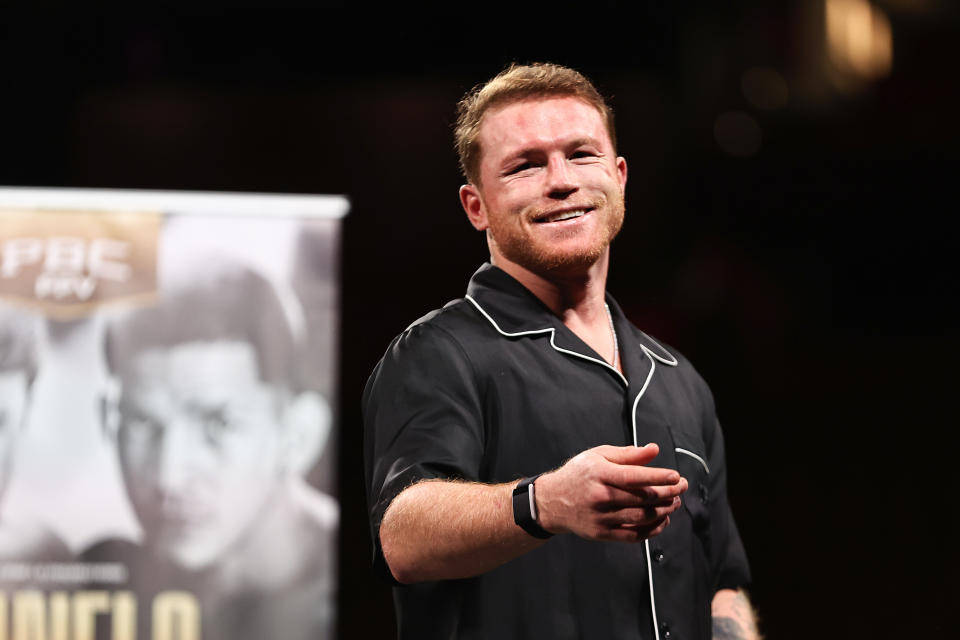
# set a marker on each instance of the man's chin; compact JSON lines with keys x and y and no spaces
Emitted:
{"x":189,"y":558}
{"x":565,"y":264}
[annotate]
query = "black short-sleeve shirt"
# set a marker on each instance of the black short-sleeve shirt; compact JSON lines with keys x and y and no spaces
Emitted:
{"x":493,"y":388}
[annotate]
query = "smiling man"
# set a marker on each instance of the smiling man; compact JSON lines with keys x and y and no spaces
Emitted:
{"x":537,"y":466}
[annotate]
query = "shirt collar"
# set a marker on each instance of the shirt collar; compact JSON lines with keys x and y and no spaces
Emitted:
{"x":508,"y":303}
{"x":514,"y":309}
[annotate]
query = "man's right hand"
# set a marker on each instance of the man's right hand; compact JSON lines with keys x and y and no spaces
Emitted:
{"x":609,"y":493}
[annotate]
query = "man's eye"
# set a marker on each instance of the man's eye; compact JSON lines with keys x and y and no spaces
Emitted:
{"x":520,"y":167}
{"x":582,"y":153}
{"x":216,"y":424}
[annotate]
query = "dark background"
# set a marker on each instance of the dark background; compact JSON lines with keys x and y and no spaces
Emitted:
{"x":811,"y":281}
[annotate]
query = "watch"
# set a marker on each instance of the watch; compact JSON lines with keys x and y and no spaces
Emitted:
{"x":525,"y":508}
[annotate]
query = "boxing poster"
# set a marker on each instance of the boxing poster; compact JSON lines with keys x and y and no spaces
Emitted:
{"x":167,"y":428}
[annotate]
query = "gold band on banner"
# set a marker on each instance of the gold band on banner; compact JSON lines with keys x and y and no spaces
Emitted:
{"x":68,"y":264}
{"x":60,"y":615}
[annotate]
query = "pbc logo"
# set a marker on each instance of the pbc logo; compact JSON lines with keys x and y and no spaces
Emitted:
{"x":71,"y":267}
{"x":70,"y":263}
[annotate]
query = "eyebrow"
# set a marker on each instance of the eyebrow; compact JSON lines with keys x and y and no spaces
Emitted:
{"x":529,"y":151}
{"x":579,"y":142}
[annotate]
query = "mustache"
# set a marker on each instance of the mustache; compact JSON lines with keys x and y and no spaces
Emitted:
{"x":538,"y":212}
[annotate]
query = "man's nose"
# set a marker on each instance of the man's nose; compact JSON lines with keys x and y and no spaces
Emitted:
{"x":179,"y":452}
{"x":561,"y":180}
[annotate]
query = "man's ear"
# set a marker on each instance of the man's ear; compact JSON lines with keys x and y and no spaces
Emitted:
{"x":307,"y":423}
{"x":474,"y":207}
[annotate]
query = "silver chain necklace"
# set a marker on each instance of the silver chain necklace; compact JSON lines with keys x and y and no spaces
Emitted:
{"x":613,"y":332}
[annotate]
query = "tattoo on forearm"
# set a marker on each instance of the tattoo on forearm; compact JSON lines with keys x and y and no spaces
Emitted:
{"x":734,"y":618}
{"x":727,"y":629}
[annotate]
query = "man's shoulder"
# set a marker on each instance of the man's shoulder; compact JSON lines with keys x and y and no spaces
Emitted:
{"x":115,"y":550}
{"x":456,"y":325}
{"x":444,"y":345}
{"x":28,"y":541}
{"x":451,"y":317}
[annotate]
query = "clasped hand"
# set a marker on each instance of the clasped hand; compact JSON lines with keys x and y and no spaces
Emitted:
{"x":609,"y":493}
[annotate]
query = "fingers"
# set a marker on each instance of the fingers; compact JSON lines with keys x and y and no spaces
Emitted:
{"x":633,"y":524}
{"x":612,"y":498}
{"x":628,"y":533}
{"x":633,"y":478}
{"x":642,"y":517}
{"x":629,"y":455}
{"x":628,"y":469}
{"x":609,"y":493}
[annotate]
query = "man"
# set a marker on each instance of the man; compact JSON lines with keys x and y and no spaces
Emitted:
{"x":23,"y":537}
{"x":214,"y":437}
{"x":538,"y":467}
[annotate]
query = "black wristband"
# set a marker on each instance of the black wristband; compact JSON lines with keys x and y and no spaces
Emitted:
{"x":525,"y":509}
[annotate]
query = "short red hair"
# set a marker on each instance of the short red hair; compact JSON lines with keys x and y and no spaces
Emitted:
{"x":514,"y":84}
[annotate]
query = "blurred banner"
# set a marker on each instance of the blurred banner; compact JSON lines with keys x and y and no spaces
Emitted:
{"x":167,"y":438}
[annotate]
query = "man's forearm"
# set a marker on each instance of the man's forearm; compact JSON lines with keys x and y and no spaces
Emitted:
{"x":442,"y":529}
{"x":733,"y":616}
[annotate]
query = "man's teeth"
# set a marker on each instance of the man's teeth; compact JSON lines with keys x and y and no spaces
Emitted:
{"x":566,"y":215}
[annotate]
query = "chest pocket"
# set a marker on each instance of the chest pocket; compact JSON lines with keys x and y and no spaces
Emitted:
{"x":692,"y":465}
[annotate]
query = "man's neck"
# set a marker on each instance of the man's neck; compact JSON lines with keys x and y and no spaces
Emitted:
{"x":577,"y":298}
{"x":577,"y":292}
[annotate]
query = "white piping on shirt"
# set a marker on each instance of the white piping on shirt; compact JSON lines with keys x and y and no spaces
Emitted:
{"x":636,"y":443}
{"x":670,"y":360}
{"x":653,"y":602}
{"x":552,"y":332}
{"x":695,"y":457}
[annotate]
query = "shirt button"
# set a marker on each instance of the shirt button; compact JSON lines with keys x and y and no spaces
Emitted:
{"x":658,"y":555}
{"x":665,"y":633}
{"x":704,"y":494}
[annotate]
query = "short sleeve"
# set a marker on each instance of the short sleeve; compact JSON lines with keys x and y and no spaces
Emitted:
{"x":422,"y":419}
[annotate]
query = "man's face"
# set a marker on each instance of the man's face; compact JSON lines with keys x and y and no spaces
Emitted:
{"x":200,"y":447}
{"x":13,"y":400}
{"x":551,"y":187}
